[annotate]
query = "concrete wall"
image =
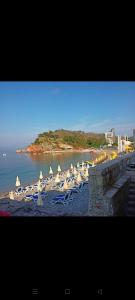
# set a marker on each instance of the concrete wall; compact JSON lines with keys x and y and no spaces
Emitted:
{"x":116,"y":196}
{"x":102,"y":178}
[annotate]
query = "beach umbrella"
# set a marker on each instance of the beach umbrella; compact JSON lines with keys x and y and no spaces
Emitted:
{"x":11,"y":195}
{"x":79,"y":178}
{"x":59,"y":168}
{"x":82,"y":163}
{"x":39,"y":187}
{"x":78,"y":165}
{"x":39,"y":201}
{"x":65,"y":186}
{"x":71,"y":167}
{"x":82,"y":168}
{"x":51,"y":171}
{"x":86,"y":173}
{"x":57,"y":178}
{"x":17,"y":181}
{"x":41,"y":175}
{"x":68,"y":174}
{"x":75,"y":171}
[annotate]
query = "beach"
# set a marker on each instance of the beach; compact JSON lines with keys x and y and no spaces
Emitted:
{"x":28,"y":166}
{"x":78,"y":206}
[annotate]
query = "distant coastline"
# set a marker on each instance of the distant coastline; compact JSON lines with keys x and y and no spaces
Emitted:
{"x":57,"y":151}
{"x":62,"y":141}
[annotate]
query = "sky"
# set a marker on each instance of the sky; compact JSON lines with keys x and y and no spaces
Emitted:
{"x":30,"y":108}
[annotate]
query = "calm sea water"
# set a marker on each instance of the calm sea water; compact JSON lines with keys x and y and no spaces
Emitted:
{"x":28,"y":166}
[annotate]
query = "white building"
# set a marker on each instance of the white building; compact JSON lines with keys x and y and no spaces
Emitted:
{"x":120,"y":145}
{"x":134,"y":136}
{"x":110,"y":137}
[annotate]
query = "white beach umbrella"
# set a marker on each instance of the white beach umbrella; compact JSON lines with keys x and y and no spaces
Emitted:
{"x":71,"y":167}
{"x":41,"y":175}
{"x":65,"y":186}
{"x":11,"y":195}
{"x":79,"y":178}
{"x":51,"y":171}
{"x":39,"y":201}
{"x":39,"y":187}
{"x":82,"y":163}
{"x":68,"y":174}
{"x":57,"y":178}
{"x":75,"y":171}
{"x":17,"y":181}
{"x":59,"y":168}
{"x":78,"y":165}
{"x":86,"y":173}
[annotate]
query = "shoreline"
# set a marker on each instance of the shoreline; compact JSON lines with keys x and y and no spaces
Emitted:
{"x":6,"y":193}
{"x":59,"y":151}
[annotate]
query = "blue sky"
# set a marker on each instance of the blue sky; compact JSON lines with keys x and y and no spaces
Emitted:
{"x":29,"y":108}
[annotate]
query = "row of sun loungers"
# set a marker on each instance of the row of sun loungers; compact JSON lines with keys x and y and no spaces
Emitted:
{"x":65,"y":198}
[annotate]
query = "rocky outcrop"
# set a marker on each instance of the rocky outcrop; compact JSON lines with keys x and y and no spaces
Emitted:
{"x":40,"y":148}
{"x":35,"y":148}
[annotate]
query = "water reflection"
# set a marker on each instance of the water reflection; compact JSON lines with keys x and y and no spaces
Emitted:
{"x":59,"y":157}
{"x":27,"y":166}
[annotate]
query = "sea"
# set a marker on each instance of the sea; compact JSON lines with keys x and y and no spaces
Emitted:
{"x":28,"y":166}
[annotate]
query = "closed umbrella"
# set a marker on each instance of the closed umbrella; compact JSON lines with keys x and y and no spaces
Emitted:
{"x":11,"y":195}
{"x":88,"y":166}
{"x":17,"y":181}
{"x":86,"y":173}
{"x":71,"y":167}
{"x":75,"y":171}
{"x":51,"y":171}
{"x":39,"y":187}
{"x":93,"y":165}
{"x":68,"y":174}
{"x":82,"y":163}
{"x":57,"y":178}
{"x":39,"y":201}
{"x":41,"y":175}
{"x":79,"y":178}
{"x":78,"y":165}
{"x":65,"y":186}
{"x":59,"y":168}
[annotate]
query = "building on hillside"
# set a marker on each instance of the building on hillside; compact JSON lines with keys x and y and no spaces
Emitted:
{"x":110,"y":137}
{"x":134,"y":137}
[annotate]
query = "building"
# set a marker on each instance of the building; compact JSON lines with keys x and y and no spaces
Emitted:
{"x":120,"y":144}
{"x":110,"y":137}
{"x":124,"y":144}
{"x":134,"y":137}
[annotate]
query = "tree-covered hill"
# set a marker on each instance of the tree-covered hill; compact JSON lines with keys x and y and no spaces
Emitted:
{"x":63,"y":139}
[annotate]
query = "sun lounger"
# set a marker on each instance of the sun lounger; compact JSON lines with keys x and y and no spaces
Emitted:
{"x":28,"y":198}
{"x":35,"y":196}
{"x":77,"y":188}
{"x":74,"y":190}
{"x":63,"y":198}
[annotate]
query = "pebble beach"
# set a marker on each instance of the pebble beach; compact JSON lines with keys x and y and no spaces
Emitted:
{"x":78,"y":206}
